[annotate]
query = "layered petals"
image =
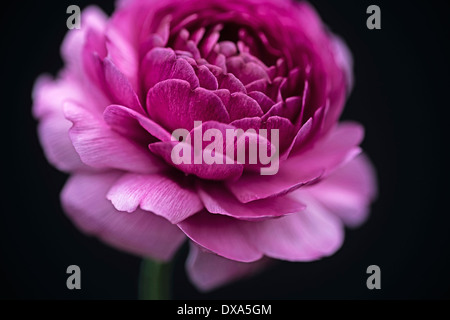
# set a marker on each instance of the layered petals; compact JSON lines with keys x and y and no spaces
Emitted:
{"x":139,"y":232}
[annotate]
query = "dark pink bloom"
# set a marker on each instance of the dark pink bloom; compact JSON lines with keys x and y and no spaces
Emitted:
{"x":157,"y":66}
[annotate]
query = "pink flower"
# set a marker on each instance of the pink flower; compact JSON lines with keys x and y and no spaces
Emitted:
{"x":157,"y":66}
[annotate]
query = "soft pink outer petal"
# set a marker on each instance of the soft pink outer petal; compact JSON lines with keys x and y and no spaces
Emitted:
{"x":306,"y":236}
{"x":208,"y":271}
{"x":164,"y":195}
{"x":101,"y":147}
{"x":349,"y":191}
{"x":221,"y":234}
{"x":53,"y":133}
{"x":140,"y":232}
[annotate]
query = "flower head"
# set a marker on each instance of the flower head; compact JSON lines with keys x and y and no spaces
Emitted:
{"x":155,"y":67}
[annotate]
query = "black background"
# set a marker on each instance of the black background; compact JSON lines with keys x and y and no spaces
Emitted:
{"x":402,"y":74}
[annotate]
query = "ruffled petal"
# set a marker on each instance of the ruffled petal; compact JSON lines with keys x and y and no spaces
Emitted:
{"x":142,"y":233}
{"x":101,"y":147}
{"x":166,"y":196}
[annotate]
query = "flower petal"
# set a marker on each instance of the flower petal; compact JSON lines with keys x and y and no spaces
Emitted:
{"x":162,"y":64}
{"x":220,"y":234}
{"x":339,"y":147}
{"x":101,"y":147}
{"x":209,"y":271}
{"x":166,"y":196}
{"x":174,"y":105}
{"x":119,"y":118}
{"x":305,"y":236}
{"x":242,"y":106}
{"x":348,"y":191}
{"x":119,"y":88}
{"x":140,"y":232}
{"x":53,"y":133}
{"x":219,"y":200}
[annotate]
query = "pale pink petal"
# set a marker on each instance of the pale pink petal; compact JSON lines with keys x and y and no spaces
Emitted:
{"x":140,"y":232}
{"x":53,"y":133}
{"x":164,"y":195}
{"x":308,"y":235}
{"x":101,"y":147}
{"x":348,"y":191}
{"x":222,"y":235}
{"x":208,"y":271}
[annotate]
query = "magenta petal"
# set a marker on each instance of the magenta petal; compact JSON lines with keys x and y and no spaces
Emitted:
{"x":219,"y":200}
{"x":209,"y":271}
{"x":207,"y":78}
{"x":162,"y":64}
{"x":231,"y":83}
{"x":119,"y":117}
{"x":348,"y":191}
{"x":140,"y":232}
{"x":119,"y":88}
{"x":264,"y":101}
{"x":158,"y":193}
{"x":309,"y":235}
{"x":245,"y":72}
{"x":173,"y":104}
{"x":242,"y":106}
{"x":101,"y":147}
{"x":287,"y":109}
{"x":252,"y":186}
{"x":222,"y":235}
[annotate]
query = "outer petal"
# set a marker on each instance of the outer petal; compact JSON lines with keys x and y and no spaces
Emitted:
{"x":208,"y":271}
{"x":101,"y":147}
{"x":53,"y":133}
{"x":53,"y":129}
{"x":222,"y":235}
{"x":140,"y":232}
{"x":166,"y":196}
{"x":308,"y":235}
{"x":349,"y":191}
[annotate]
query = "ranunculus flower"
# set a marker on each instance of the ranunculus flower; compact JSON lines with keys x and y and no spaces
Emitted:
{"x":155,"y":66}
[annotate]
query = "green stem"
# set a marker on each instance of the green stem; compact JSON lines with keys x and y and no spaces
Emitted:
{"x":154,"y":280}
